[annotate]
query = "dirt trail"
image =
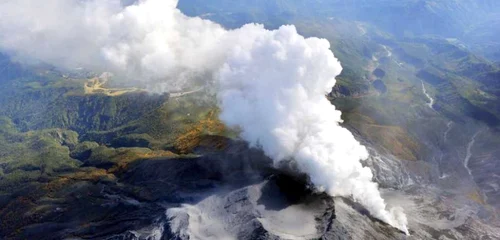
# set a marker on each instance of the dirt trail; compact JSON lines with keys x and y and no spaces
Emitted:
{"x":96,"y":86}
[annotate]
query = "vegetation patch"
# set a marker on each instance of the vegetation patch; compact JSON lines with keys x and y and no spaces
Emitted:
{"x":199,"y":132}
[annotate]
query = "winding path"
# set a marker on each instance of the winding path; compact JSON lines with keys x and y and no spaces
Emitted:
{"x":180,"y":94}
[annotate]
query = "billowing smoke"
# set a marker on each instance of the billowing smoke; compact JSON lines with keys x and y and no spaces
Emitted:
{"x":270,"y":84}
{"x":151,"y":41}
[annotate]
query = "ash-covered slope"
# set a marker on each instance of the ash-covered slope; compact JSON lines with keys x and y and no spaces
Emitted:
{"x":234,"y":194}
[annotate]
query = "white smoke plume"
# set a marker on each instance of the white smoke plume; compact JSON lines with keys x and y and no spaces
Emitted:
{"x":271,"y":84}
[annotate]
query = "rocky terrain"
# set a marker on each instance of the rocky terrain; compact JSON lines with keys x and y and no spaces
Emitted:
{"x":80,"y":159}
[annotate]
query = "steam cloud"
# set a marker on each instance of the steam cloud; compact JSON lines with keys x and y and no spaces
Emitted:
{"x":271,"y":84}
